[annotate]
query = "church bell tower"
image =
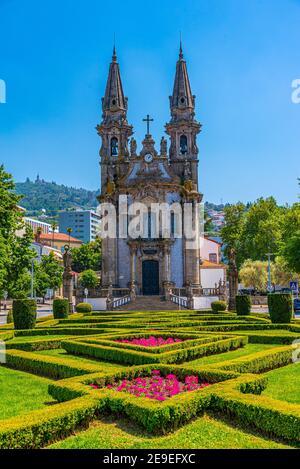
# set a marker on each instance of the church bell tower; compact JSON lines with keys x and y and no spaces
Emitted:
{"x":114,"y":128}
{"x":183,"y":128}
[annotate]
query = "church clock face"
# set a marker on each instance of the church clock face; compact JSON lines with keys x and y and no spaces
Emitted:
{"x":148,"y":158}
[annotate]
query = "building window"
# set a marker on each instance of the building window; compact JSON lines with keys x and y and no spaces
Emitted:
{"x":114,"y":147}
{"x":213,"y":258}
{"x":183,"y":145}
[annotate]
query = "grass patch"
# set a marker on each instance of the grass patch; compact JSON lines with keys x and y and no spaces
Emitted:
{"x":21,"y":393}
{"x":204,"y":433}
{"x":284,"y":384}
{"x":231,"y":355}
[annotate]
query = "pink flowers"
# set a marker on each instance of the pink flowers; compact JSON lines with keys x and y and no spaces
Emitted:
{"x":150,"y":341}
{"x":156,"y":386}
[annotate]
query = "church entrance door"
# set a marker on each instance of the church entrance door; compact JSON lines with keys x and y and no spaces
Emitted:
{"x":150,"y":278}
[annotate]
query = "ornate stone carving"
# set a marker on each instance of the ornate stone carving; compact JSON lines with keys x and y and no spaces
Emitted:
{"x":133,"y":147}
{"x":163,"y":147}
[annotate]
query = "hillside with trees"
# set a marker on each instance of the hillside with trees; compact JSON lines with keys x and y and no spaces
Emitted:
{"x":40,"y":195}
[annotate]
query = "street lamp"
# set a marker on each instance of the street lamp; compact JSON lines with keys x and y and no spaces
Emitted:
{"x":270,"y":288}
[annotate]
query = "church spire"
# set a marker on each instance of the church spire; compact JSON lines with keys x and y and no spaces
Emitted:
{"x":114,"y":102}
{"x":182,"y":101}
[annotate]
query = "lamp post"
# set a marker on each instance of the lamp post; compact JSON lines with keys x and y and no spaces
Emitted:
{"x":270,"y":288}
{"x":32,"y":276}
{"x":69,"y":231}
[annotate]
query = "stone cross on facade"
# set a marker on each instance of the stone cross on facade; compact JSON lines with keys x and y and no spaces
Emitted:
{"x":148,"y":119}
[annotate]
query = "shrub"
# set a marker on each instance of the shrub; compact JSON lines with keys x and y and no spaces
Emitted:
{"x":24,"y":313}
{"x":243,"y":305}
{"x":10,"y":318}
{"x":89,"y":279}
{"x":60,"y":308}
{"x":218,"y":306}
{"x":280,"y":307}
{"x":83,"y":308}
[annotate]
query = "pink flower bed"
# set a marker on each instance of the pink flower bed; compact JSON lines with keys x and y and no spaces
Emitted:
{"x":150,"y":341}
{"x":156,"y":386}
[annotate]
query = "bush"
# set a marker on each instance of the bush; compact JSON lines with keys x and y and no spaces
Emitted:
{"x":89,"y":279}
{"x":83,"y":308}
{"x":60,"y":308}
{"x":243,"y":305}
{"x":280,"y":307}
{"x":10,"y":318}
{"x":218,"y":306}
{"x":24,"y":313}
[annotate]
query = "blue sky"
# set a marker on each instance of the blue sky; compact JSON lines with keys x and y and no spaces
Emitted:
{"x":242,"y":57}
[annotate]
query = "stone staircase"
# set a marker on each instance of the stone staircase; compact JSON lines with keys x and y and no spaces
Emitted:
{"x":149,"y":303}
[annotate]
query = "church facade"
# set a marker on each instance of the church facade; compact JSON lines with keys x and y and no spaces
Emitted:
{"x":151,"y":264}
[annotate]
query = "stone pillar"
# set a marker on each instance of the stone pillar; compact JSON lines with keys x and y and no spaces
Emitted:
{"x":133,"y":252}
{"x":68,"y":277}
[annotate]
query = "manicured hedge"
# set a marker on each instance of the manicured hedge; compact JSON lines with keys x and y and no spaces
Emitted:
{"x":218,"y":306}
{"x":35,"y":345}
{"x":43,"y":365}
{"x":260,"y":361}
{"x":24,"y":313}
{"x":83,"y":308}
{"x":280,"y":307}
{"x":133,"y":357}
{"x":243,"y":305}
{"x":60,"y":308}
{"x":276,"y":418}
{"x":41,"y":427}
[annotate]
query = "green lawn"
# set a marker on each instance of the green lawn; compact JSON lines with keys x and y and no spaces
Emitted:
{"x":241,"y":352}
{"x":284,"y":383}
{"x":21,"y":393}
{"x":205,"y":432}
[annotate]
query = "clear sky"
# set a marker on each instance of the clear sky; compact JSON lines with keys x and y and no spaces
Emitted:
{"x":242,"y":57}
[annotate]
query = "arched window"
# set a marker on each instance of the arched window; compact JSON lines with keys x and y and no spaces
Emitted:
{"x":183,"y":145}
{"x":114,"y":147}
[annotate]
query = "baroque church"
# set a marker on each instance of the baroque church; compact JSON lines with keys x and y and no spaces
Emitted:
{"x":150,"y":265}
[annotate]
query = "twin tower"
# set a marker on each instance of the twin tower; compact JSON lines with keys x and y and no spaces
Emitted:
{"x":151,"y":265}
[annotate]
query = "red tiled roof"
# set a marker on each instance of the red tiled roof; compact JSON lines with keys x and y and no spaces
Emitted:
{"x":59,"y":237}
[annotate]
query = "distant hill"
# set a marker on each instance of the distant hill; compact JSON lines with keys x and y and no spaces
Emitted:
{"x":40,"y":195}
{"x":52,"y":197}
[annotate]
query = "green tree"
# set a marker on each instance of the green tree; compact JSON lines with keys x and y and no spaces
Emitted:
{"x":291,"y":252}
{"x":87,"y":256}
{"x":15,"y":250}
{"x":262,"y":230}
{"x":41,"y":281}
{"x":89,"y":279}
{"x":231,"y":235}
{"x":254,"y":274}
{"x":53,"y":269}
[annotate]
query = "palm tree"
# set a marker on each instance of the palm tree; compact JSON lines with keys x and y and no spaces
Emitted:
{"x":53,"y":226}
{"x":69,"y":231}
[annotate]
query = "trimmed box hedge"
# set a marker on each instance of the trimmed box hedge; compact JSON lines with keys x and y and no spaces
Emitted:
{"x":24,"y":313}
{"x":243,"y":305}
{"x":133,"y":357}
{"x":48,"y":366}
{"x":280,"y":307}
{"x":60,"y":308}
{"x":42,"y":427}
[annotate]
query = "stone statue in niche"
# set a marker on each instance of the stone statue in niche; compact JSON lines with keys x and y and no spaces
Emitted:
{"x":133,"y":147}
{"x":163,"y":146}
